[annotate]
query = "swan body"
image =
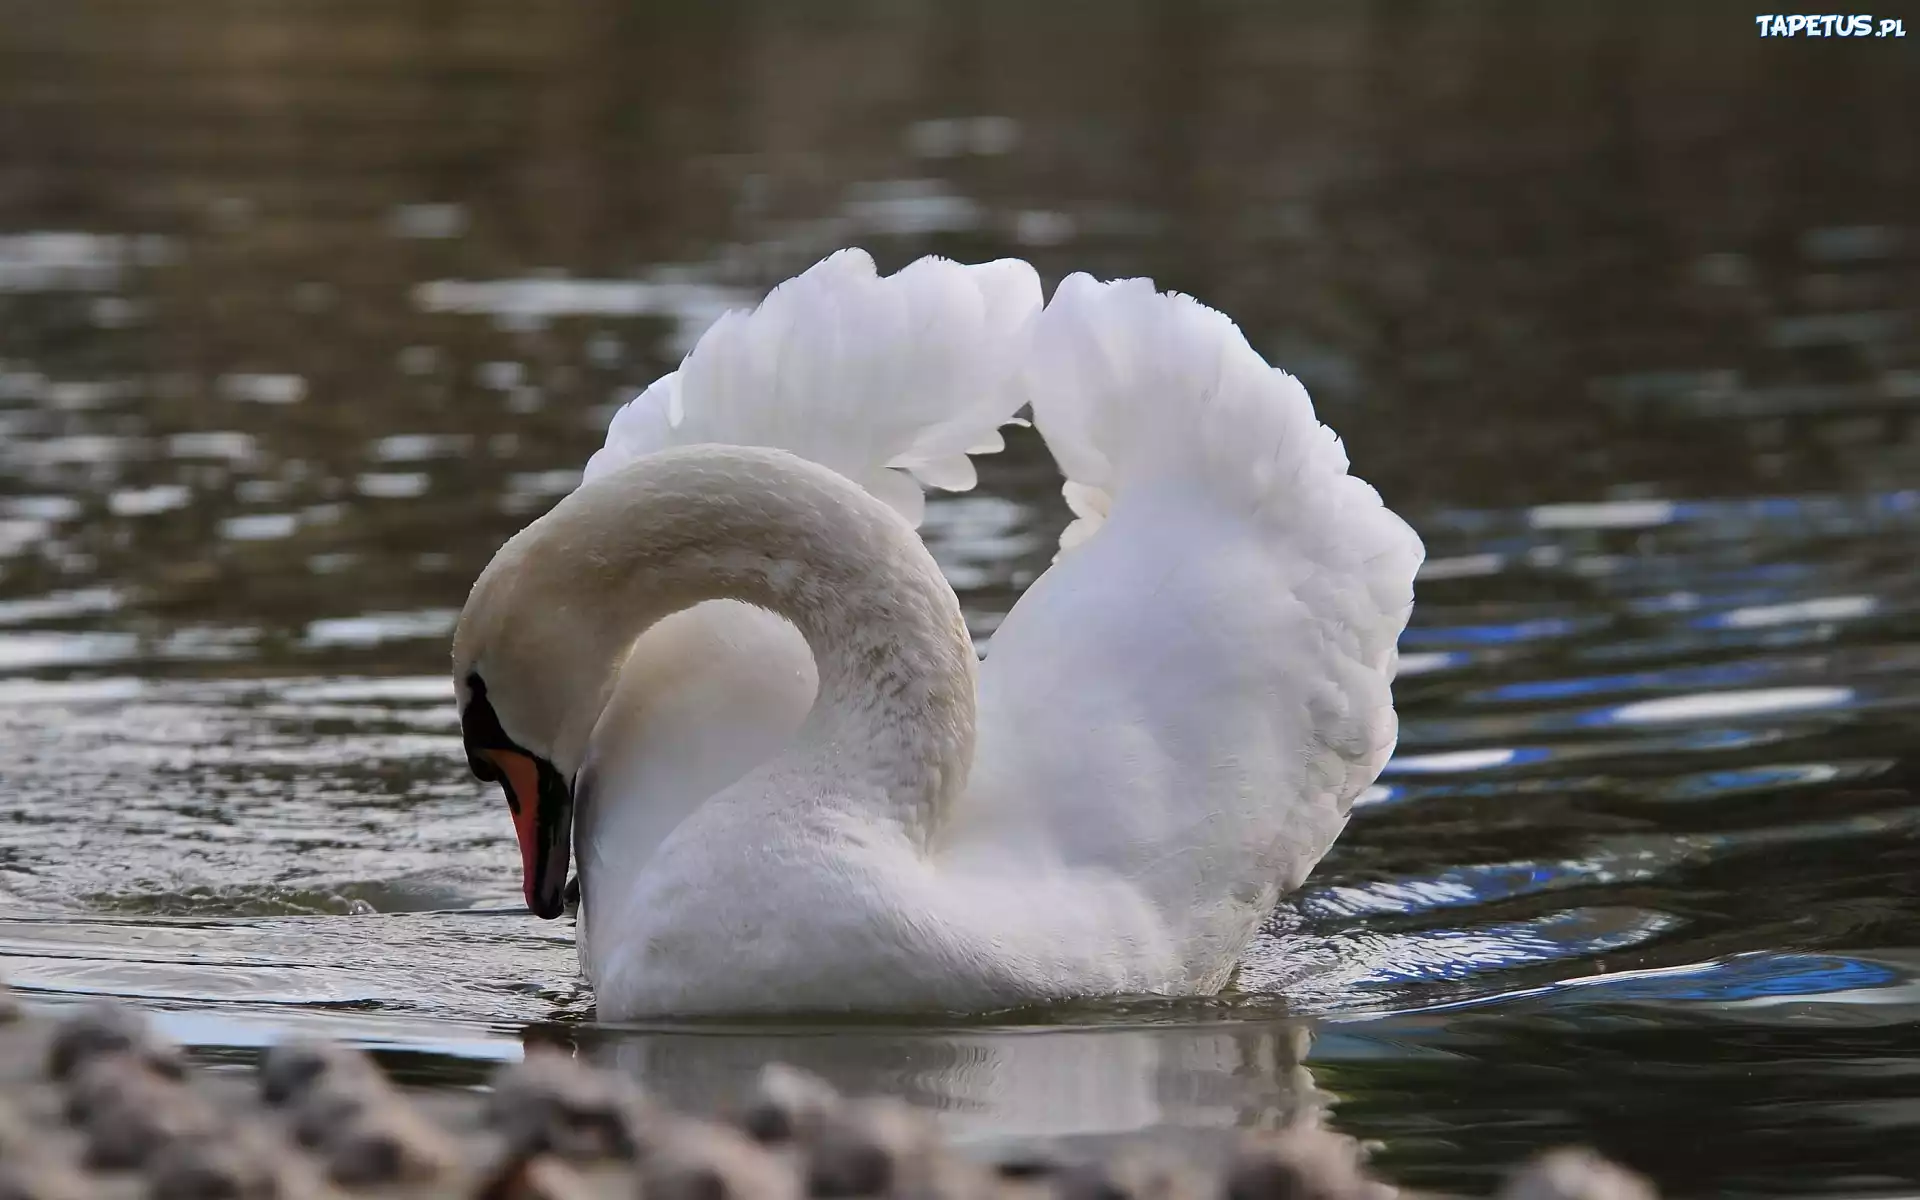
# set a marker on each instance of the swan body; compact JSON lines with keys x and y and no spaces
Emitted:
{"x":728,"y":668}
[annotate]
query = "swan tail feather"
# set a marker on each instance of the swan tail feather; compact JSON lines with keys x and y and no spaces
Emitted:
{"x":893,"y":381}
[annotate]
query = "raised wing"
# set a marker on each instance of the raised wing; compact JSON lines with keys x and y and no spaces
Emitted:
{"x":885,"y":380}
{"x":1197,"y":690}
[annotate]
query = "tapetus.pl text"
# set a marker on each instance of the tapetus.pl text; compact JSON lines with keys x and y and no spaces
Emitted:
{"x":1856,"y":25}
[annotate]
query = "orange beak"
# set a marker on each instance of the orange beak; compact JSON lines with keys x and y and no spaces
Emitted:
{"x":542,"y":822}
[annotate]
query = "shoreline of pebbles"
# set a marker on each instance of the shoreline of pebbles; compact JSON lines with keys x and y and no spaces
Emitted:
{"x":99,"y":1105}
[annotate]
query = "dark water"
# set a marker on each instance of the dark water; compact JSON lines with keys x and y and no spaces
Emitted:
{"x":305,"y":307}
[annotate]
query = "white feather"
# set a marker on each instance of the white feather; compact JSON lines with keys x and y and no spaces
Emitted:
{"x":1195,"y":693}
{"x":879,"y":378}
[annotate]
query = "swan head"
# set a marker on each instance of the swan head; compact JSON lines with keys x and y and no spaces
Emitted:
{"x":529,"y":677}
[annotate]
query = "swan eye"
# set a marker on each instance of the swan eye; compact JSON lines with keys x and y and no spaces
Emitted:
{"x":483,"y":769}
{"x":480,"y":730}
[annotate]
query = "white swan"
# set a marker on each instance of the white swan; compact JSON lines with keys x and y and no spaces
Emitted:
{"x":796,"y":789}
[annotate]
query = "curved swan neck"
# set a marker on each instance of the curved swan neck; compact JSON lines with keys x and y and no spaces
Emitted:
{"x":895,"y":708}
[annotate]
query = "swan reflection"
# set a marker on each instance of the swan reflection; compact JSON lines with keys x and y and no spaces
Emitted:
{"x":995,"y":1087}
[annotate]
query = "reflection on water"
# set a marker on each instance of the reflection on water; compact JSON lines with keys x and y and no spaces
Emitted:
{"x":304,"y":310}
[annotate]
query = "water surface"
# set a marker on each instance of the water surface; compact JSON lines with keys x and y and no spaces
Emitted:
{"x":305,"y":309}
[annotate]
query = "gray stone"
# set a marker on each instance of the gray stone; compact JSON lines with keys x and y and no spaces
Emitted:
{"x":550,"y":1104}
{"x":1301,"y":1162}
{"x":1576,"y":1174}
{"x":291,"y":1069}
{"x":101,"y":1029}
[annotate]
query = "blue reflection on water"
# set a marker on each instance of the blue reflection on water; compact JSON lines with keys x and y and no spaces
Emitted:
{"x":1538,"y":629}
{"x":1426,"y":662}
{"x":1744,"y":779}
{"x":1449,"y":761}
{"x":1682,"y":678}
{"x":1722,"y":739}
{"x":1726,"y":705}
{"x":1376,"y":963}
{"x":1697,"y":640}
{"x":1455,"y":887}
{"x":1769,"y":777}
{"x":1722,"y":518}
{"x":1750,"y":977}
